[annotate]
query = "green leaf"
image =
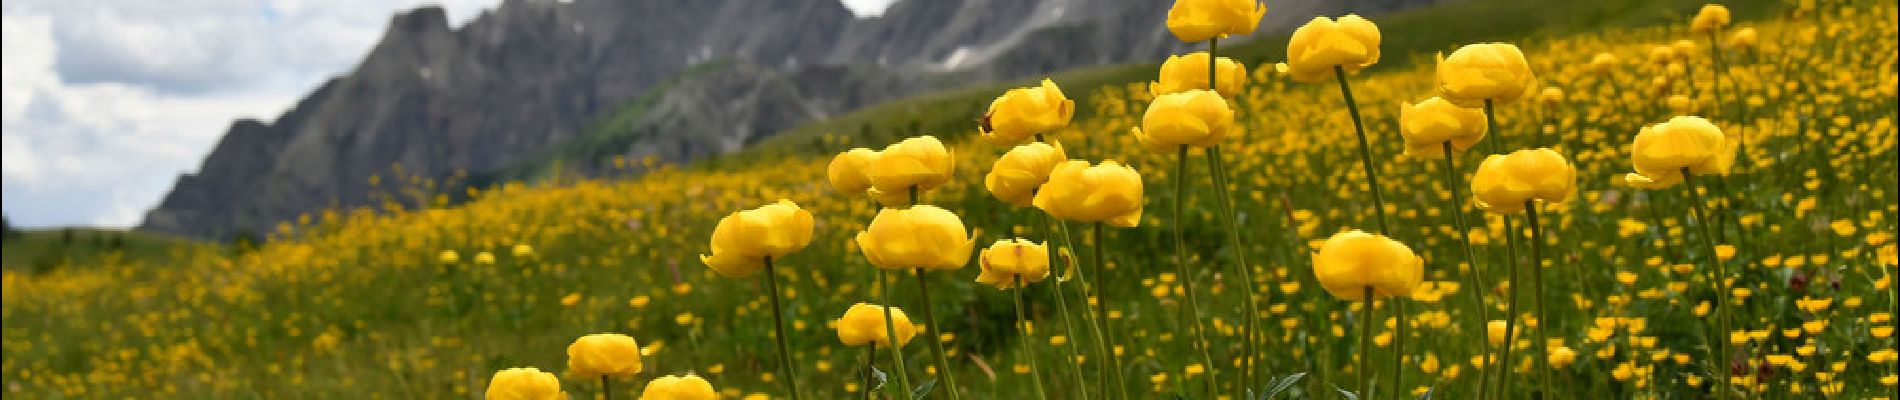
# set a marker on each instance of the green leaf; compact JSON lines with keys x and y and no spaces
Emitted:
{"x":1280,"y":385}
{"x":1345,"y":394}
{"x":923,"y":389}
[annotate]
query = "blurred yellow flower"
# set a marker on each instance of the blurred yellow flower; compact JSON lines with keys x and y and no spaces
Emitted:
{"x":1109,"y":192}
{"x":863,"y":323}
{"x":1494,"y":332}
{"x":1200,"y":20}
{"x":1015,"y":177}
{"x":1352,"y":42}
{"x":448,"y":257}
{"x":1022,"y":113}
{"x":743,"y":239}
{"x":1745,"y":38}
{"x":1485,"y":71}
{"x":848,"y":171}
{"x":524,"y":384}
{"x":674,"y":387}
{"x":1711,"y":18}
{"x":1602,"y":63}
{"x":1181,"y":73}
{"x":922,"y":236}
{"x":604,"y":354}
{"x":1427,"y":125}
{"x":922,"y":163}
{"x":1504,"y":183}
{"x":1562,"y":356}
{"x":1351,"y":262}
{"x":1009,"y":259}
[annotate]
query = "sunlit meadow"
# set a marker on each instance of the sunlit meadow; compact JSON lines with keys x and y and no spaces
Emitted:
{"x":424,"y":299}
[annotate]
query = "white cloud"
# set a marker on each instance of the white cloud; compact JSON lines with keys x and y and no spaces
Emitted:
{"x":867,"y":8}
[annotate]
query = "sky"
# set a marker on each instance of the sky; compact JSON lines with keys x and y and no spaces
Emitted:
{"x":104,"y":103}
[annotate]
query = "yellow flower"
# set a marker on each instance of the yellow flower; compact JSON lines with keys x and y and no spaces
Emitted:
{"x":1661,"y":151}
{"x":522,"y":251}
{"x":919,"y":162}
{"x":863,"y":323}
{"x":524,"y":384}
{"x":1352,"y":261}
{"x":848,"y":171}
{"x":1494,"y":332}
{"x":1684,"y":47}
{"x":1426,"y":126}
{"x":1711,"y":18}
{"x":1200,"y":20}
{"x":448,"y":257}
{"x":674,"y":387}
{"x":484,"y":258}
{"x":1551,"y":95}
{"x":743,"y":239}
{"x":1351,"y":42}
{"x":1662,"y":55}
{"x":1189,"y":72}
{"x":1009,"y":259}
{"x":1014,"y":178}
{"x":1744,"y":38}
{"x":922,"y":236}
{"x":1504,"y":182}
{"x":1602,"y":63}
{"x":608,"y":354}
{"x":1198,"y":118}
{"x":1109,"y":192}
{"x":1485,"y":71}
{"x":1021,"y":113}
{"x":895,"y":199}
{"x":1562,"y":356}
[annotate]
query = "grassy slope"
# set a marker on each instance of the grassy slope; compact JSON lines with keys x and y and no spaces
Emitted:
{"x":40,"y":249}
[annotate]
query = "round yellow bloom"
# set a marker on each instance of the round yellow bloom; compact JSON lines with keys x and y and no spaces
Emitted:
{"x":484,"y":258}
{"x":524,"y":384}
{"x":919,"y":162}
{"x":448,"y":257}
{"x":1485,"y":71}
{"x":1009,"y":259}
{"x":1200,"y":20}
{"x":609,"y":354}
{"x":863,"y":323}
{"x":1198,"y":118}
{"x":848,"y":171}
{"x":1021,"y":113}
{"x":1351,"y":42}
{"x":1494,"y":332}
{"x":1662,"y":55}
{"x":1014,"y":178}
{"x":674,"y":387}
{"x":1426,"y":127}
{"x":1352,"y":261}
{"x":1562,"y":356}
{"x":1109,"y":192}
{"x":743,"y":239}
{"x":1684,"y":48}
{"x":1661,"y":151}
{"x":1189,"y":72}
{"x":922,"y":236}
{"x":1711,"y":18}
{"x":1504,"y":182}
{"x":1602,"y":63}
{"x":1744,"y":38}
{"x":1551,"y":95}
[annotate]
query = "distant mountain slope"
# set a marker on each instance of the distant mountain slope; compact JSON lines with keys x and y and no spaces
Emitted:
{"x":539,"y":81}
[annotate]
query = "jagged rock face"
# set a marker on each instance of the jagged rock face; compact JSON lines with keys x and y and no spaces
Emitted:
{"x":532,"y":74}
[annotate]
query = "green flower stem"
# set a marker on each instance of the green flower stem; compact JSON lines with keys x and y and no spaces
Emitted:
{"x":1251,"y":323}
{"x":1029,"y":353}
{"x":1062,"y":307}
{"x":1718,"y":340}
{"x":1102,"y":346}
{"x":870,"y":365}
{"x":890,"y":333}
{"x":1495,"y":138}
{"x":936,"y":342}
{"x":1476,"y":277}
{"x":1510,"y":309}
{"x":1715,"y":52}
{"x":1101,"y":274}
{"x":1365,"y":346}
{"x":1398,"y":346}
{"x":1180,"y":268}
{"x":606,"y":388}
{"x":1365,"y":148}
{"x":1537,"y":295}
{"x":778,"y":326}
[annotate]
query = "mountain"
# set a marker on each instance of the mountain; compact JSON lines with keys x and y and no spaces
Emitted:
{"x":535,"y":82}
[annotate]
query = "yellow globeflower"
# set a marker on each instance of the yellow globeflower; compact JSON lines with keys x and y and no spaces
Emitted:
{"x":1109,"y":192}
{"x":1602,"y":63}
{"x":1485,"y":71}
{"x":1505,"y":181}
{"x":919,"y":162}
{"x":524,"y":384}
{"x":1315,"y":48}
{"x":1200,"y":20}
{"x":1352,"y":261}
{"x":1562,"y":356}
{"x":922,"y":236}
{"x":608,"y":354}
{"x":674,"y":387}
{"x":1494,"y":332}
{"x":743,"y":239}
{"x":1014,"y":178}
{"x":1744,"y":38}
{"x":1021,"y":113}
{"x":863,"y":324}
{"x":1009,"y":259}
{"x":1685,"y":48}
{"x":1661,"y":151}
{"x":1198,"y":118}
{"x":1551,"y":95}
{"x":1711,"y":18}
{"x":848,"y":171}
{"x":1662,"y":55}
{"x":448,"y":257}
{"x":1426,"y":127}
{"x":1189,"y":72}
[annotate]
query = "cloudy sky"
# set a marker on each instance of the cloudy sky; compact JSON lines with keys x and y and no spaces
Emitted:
{"x":106,"y":102}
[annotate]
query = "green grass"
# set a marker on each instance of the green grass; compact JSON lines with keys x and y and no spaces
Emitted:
{"x":41,"y":250}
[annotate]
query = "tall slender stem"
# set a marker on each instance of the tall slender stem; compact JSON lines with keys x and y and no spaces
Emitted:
{"x":1496,"y":138}
{"x":1398,"y":346}
{"x":1365,"y":147}
{"x":1715,"y":52}
{"x":778,"y":326}
{"x":890,"y":333}
{"x":1102,"y":345}
{"x":1510,"y":309}
{"x":870,"y":365}
{"x":606,"y":388}
{"x":936,"y":341}
{"x":1101,"y":275}
{"x":1718,"y":341}
{"x":1029,"y":353}
{"x":1180,"y":268}
{"x":1365,"y":346}
{"x":1476,"y":278}
{"x":1537,"y":295}
{"x":1251,"y":322}
{"x":1062,"y":306}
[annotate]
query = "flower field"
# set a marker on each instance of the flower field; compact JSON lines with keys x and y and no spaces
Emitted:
{"x":1653,"y":257}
